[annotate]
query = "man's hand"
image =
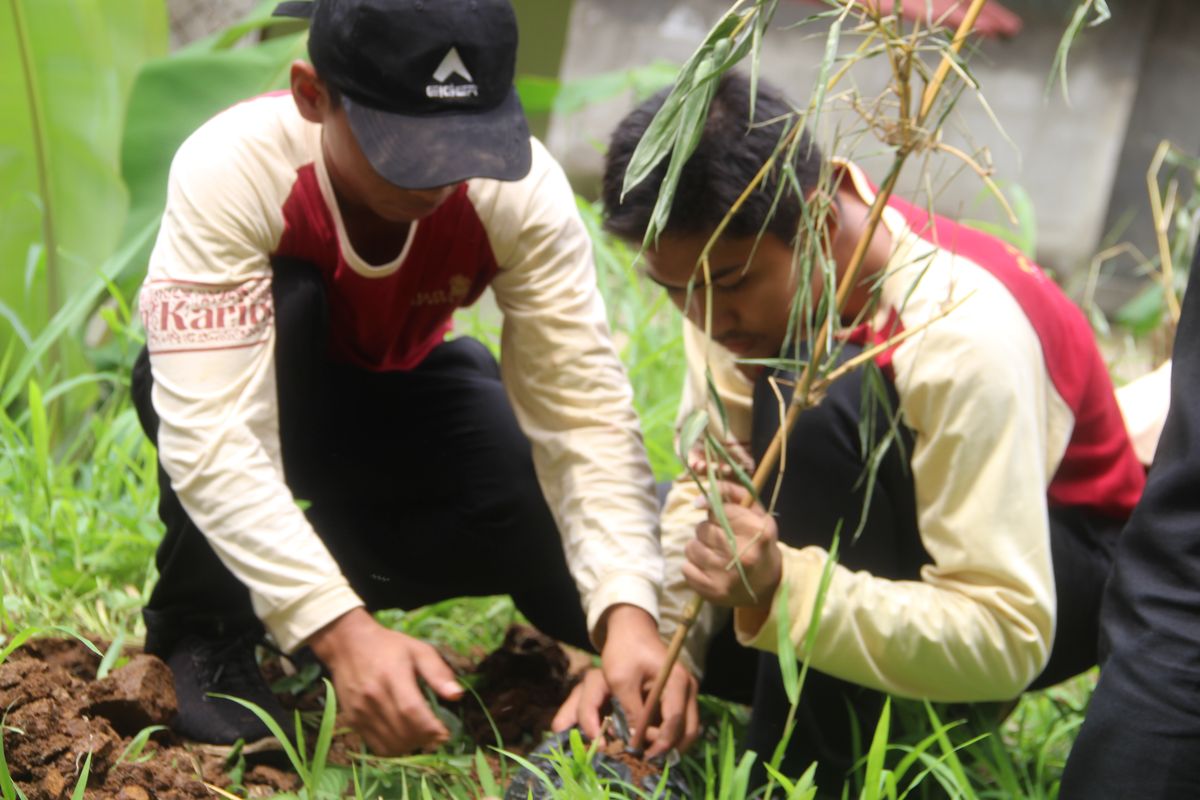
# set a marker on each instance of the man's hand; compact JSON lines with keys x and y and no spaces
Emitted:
{"x":631,"y":657}
{"x":710,"y":570}
{"x":375,"y":672}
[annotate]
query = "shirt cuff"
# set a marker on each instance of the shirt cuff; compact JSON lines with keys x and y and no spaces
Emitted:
{"x":291,"y":625}
{"x":802,"y":575}
{"x":635,"y":590}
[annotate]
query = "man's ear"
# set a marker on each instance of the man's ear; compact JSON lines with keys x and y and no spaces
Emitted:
{"x":309,"y":92}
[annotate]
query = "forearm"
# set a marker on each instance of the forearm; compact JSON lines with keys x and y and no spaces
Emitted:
{"x":952,"y":638}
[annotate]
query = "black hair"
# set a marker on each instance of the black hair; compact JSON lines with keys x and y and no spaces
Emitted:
{"x":730,"y":153}
{"x":335,"y":95}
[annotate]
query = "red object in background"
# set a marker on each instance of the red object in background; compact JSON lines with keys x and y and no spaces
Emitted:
{"x":994,"y":19}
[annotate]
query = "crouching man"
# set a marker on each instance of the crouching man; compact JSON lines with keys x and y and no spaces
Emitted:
{"x":970,"y":569}
{"x":324,"y":451}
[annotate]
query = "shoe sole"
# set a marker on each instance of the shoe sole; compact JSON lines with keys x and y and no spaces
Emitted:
{"x":265,"y":745}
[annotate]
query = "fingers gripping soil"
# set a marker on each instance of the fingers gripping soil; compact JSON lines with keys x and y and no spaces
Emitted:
{"x":375,"y":673}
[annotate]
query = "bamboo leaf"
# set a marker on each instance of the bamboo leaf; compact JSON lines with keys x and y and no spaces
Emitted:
{"x":787,"y":649}
{"x":660,"y":134}
{"x":690,"y":432}
{"x":717,"y":506}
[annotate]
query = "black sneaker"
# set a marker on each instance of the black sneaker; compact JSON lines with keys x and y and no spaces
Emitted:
{"x":203,"y":666}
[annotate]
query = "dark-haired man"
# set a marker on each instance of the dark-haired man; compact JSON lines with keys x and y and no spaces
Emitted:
{"x":987,"y":531}
{"x":324,"y":452}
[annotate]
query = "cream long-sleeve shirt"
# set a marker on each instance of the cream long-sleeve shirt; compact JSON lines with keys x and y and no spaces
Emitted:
{"x":1012,"y":411}
{"x":250,"y":186}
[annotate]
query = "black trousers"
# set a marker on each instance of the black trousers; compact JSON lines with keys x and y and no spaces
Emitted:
{"x":1141,"y":737}
{"x":420,"y":484}
{"x":823,"y":485}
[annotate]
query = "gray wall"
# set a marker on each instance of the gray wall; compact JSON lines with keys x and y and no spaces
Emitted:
{"x":1068,"y":157}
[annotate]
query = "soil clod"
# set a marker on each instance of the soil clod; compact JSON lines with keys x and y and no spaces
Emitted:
{"x":136,"y":696}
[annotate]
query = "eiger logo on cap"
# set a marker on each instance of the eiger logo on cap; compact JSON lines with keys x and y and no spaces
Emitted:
{"x":452,"y":64}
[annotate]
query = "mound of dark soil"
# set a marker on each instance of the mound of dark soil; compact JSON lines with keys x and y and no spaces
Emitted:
{"x":57,"y":713}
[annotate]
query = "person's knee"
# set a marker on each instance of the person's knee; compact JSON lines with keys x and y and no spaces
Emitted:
{"x":141,"y":384}
{"x":466,"y":354}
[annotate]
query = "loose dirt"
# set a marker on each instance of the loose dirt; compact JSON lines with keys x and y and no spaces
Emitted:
{"x":57,"y":713}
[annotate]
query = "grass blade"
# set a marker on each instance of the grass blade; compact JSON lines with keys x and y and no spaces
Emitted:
{"x":297,"y":762}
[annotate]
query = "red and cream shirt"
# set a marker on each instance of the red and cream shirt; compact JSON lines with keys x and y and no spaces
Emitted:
{"x":251,"y":185}
{"x":1012,"y":412}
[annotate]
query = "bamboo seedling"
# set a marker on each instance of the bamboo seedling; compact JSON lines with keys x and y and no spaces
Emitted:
{"x":909,"y":137}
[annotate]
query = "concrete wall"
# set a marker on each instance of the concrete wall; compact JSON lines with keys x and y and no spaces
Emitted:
{"x":1065,"y":156}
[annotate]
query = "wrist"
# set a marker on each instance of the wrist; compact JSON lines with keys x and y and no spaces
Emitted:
{"x":328,"y":641}
{"x":624,"y":621}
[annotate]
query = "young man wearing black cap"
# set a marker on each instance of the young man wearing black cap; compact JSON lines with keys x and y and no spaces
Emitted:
{"x":323,"y":451}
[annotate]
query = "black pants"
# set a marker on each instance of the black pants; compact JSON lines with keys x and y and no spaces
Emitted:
{"x":420,"y":483}
{"x":824,"y":485}
{"x":1141,"y":737}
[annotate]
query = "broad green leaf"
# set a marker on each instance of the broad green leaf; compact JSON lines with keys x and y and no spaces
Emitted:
{"x":65,"y":71}
{"x":172,"y":98}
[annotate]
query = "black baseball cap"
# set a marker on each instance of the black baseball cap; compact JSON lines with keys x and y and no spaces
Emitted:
{"x":427,"y":85}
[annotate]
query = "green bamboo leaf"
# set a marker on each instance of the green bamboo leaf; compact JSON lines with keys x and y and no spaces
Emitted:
{"x":714,"y":397}
{"x":690,"y":127}
{"x":726,"y":457}
{"x":1101,"y":14}
{"x":817,"y":103}
{"x":716,"y":505}
{"x":661,"y":133}
{"x":690,"y":432}
{"x":787,"y":648}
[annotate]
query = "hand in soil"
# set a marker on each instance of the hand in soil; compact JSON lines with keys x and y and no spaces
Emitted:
{"x":631,"y":658}
{"x":375,"y":673}
{"x":756,"y":541}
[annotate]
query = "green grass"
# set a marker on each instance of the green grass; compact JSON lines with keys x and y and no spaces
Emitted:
{"x":78,"y":530}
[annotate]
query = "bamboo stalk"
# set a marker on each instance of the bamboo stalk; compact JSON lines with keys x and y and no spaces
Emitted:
{"x":1161,"y":225}
{"x":802,"y":394}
